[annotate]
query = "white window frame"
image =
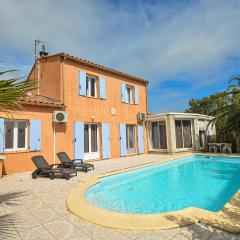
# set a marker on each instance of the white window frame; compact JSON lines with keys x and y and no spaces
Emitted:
{"x":158,"y":129}
{"x":92,"y":155}
{"x":15,"y":148}
{"x":183,"y":148}
{"x":131,"y":94}
{"x":89,"y":84}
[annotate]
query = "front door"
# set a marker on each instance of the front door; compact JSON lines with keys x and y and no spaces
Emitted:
{"x":91,"y":141}
{"x":131,"y":139}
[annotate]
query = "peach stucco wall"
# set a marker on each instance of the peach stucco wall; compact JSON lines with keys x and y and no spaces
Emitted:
{"x":83,"y":108}
{"x":79,"y":109}
{"x":48,"y":73}
{"x":21,"y":161}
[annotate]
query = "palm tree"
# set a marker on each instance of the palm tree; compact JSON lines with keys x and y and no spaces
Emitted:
{"x":11,"y":90}
{"x":230,"y":112}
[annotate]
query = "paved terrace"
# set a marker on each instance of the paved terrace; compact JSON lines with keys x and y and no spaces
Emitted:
{"x":35,"y":209}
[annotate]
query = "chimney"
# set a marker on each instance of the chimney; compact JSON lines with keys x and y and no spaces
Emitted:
{"x":43,"y":52}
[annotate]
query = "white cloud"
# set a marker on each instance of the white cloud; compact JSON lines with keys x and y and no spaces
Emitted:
{"x":153,"y":41}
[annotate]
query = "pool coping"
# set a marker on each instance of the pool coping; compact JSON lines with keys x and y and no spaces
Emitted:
{"x":80,"y":207}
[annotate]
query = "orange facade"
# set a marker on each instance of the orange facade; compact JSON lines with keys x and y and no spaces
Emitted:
{"x":58,"y":77}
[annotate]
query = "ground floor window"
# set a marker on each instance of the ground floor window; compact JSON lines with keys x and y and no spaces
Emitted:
{"x":131,"y":138}
{"x":183,"y":131}
{"x":159,"y":135}
{"x":91,"y":141}
{"x":16,"y":135}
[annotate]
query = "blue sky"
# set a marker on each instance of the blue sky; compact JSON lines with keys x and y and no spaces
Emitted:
{"x":186,"y":49}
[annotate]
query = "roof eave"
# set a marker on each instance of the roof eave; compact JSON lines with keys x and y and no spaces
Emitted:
{"x":42,"y":104}
{"x":184,"y":115}
{"x":94,"y":65}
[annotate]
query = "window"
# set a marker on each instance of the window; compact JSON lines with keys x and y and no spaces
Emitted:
{"x":129,"y":94}
{"x":91,"y":86}
{"x":202,"y":136}
{"x":159,"y":135}
{"x":183,"y":134}
{"x":91,"y":148}
{"x":15,"y":135}
{"x":131,"y":138}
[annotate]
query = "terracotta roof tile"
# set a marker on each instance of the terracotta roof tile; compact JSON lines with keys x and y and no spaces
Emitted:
{"x":41,"y":100}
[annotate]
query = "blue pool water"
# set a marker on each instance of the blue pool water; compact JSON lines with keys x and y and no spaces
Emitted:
{"x":195,"y":181}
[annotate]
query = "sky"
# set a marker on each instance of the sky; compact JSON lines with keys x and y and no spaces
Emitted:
{"x":185,"y":48}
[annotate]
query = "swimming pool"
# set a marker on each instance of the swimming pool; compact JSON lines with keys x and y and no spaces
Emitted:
{"x":196,"y":181}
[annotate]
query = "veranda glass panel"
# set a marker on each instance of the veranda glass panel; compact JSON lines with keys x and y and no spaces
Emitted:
{"x":155,"y":135}
{"x":163,"y":135}
{"x":187,"y":133}
{"x":178,"y":133}
{"x":201,"y":138}
{"x":9,"y":127}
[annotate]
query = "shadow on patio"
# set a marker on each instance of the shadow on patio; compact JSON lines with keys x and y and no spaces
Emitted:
{"x":7,"y":220}
{"x":203,"y":230}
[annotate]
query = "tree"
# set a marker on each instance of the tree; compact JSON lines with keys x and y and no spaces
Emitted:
{"x":225,"y":107}
{"x":11,"y":90}
{"x":230,"y":112}
{"x":208,"y":106}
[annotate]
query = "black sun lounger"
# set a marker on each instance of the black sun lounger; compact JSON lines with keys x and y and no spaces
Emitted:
{"x":44,"y":169}
{"x":75,"y":163}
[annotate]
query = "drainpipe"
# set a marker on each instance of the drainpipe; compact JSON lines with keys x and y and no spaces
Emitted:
{"x":146,"y":123}
{"x":63,"y":84}
{"x":54,"y":144}
{"x":147,"y":96}
{"x":38,"y":76}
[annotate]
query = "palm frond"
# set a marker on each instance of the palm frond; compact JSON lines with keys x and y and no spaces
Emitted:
{"x":11,"y":90}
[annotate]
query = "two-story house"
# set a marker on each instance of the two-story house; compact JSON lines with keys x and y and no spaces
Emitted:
{"x":101,"y":106}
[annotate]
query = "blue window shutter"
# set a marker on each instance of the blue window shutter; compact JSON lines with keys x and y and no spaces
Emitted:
{"x":35,"y":135}
{"x":78,"y":140}
{"x":106,"y":141}
{"x":136,"y":95}
{"x":1,"y":135}
{"x":102,"y":84}
{"x":82,"y":83}
{"x":123,"y":92}
{"x":123,"y":143}
{"x":140,"y":139}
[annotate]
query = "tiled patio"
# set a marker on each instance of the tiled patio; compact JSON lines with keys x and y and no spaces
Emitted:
{"x":35,"y":209}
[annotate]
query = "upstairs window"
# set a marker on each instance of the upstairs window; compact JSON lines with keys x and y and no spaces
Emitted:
{"x":91,"y":86}
{"x":15,"y":135}
{"x":129,"y":94}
